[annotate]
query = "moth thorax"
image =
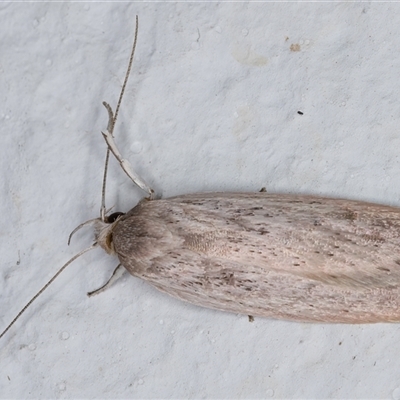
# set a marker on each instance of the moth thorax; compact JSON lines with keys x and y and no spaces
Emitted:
{"x":103,"y":233}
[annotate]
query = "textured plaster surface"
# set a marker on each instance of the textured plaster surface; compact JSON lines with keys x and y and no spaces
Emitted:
{"x":213,"y":104}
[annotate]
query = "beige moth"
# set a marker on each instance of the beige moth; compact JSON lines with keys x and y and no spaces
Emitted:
{"x":295,"y":257}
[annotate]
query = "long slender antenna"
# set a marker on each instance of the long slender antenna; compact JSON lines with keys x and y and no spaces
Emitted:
{"x":91,"y":221}
{"x":80,"y":226}
{"x":46,"y":286}
{"x":111,"y":123}
{"x":113,"y":120}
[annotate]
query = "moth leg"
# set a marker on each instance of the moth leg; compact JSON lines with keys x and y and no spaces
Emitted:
{"x":115,"y":275}
{"x":125,"y":164}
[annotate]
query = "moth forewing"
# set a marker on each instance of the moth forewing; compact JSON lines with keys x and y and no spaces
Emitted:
{"x":295,"y":257}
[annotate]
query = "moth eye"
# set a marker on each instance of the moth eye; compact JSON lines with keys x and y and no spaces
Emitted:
{"x":113,"y":217}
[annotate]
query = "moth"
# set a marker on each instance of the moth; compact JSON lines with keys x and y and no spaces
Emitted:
{"x":296,"y":257}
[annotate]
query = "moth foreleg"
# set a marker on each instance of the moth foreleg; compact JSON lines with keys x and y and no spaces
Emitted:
{"x":115,"y":276}
{"x":125,"y":164}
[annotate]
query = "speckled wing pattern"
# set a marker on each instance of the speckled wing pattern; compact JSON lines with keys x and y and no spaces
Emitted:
{"x":285,"y":256}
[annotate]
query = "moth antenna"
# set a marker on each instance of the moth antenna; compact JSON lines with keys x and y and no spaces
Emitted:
{"x":94,"y":245}
{"x":79,"y":227}
{"x":112,"y":119}
{"x":90,"y":221}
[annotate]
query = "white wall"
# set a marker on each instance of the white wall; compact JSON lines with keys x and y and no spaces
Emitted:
{"x":211,"y":105}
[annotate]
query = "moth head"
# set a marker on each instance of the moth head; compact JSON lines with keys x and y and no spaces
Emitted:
{"x":103,"y":231}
